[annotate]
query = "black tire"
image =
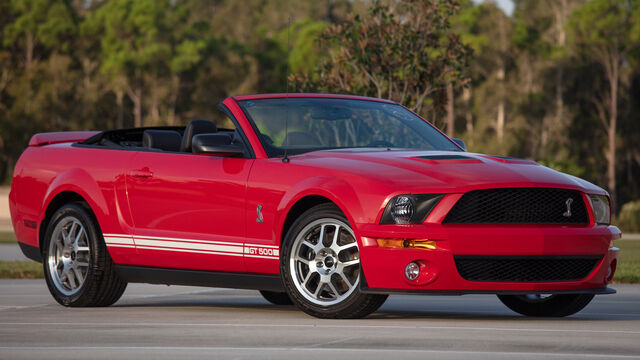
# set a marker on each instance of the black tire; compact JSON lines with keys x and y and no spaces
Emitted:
{"x":276,"y":298}
{"x":100,"y":285}
{"x":558,"y":305}
{"x":353,"y":304}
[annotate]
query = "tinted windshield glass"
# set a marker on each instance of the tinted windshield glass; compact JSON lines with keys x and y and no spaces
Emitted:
{"x":320,"y":123}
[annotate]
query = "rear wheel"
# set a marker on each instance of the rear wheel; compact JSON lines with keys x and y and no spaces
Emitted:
{"x":557,"y":305}
{"x":320,"y":266}
{"x":77,"y":267}
{"x":277,"y":298}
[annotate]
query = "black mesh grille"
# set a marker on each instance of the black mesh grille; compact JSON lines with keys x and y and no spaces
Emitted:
{"x":525,"y":268}
{"x":519,"y":206}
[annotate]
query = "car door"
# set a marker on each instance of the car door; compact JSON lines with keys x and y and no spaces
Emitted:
{"x":188,"y":210}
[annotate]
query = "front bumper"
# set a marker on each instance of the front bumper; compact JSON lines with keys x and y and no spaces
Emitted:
{"x":383,"y":268}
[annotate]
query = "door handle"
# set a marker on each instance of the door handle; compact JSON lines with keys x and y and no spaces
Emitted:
{"x":142,"y":173}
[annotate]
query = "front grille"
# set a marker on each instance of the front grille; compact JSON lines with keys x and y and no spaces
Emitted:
{"x":519,"y":206}
{"x":537,"y":268}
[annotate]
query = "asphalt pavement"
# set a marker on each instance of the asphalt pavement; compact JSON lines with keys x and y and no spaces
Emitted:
{"x":160,"y":322}
{"x":11,"y":252}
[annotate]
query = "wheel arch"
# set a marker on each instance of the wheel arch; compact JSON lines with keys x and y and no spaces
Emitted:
{"x":316,"y":191}
{"x":303,"y":204}
{"x":73,"y":185}
{"x":59,"y":200}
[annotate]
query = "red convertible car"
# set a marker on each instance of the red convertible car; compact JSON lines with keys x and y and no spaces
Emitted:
{"x":330,"y":202}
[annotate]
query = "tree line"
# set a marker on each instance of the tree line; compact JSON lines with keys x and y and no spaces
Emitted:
{"x":557,"y":81}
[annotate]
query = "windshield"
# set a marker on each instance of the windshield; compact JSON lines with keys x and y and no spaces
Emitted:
{"x":322,"y":123}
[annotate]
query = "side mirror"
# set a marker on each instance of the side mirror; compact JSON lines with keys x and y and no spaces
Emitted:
{"x":460,"y":143}
{"x":215,"y":143}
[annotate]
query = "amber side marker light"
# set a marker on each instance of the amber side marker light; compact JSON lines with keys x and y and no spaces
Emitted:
{"x":424,"y":244}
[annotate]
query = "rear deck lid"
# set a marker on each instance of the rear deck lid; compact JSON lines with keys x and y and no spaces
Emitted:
{"x":60,"y":137}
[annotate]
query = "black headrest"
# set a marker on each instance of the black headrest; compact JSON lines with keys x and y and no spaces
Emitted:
{"x":196,"y":127}
{"x":162,"y":139}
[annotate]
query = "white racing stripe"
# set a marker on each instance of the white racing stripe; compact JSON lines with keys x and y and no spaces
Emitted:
{"x":187,"y":245}
{"x":271,"y":252}
{"x":111,"y":239}
{"x":120,"y":246}
{"x":188,"y":250}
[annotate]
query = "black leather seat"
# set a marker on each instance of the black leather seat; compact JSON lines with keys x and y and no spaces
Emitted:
{"x":196,"y":127}
{"x":168,"y":140}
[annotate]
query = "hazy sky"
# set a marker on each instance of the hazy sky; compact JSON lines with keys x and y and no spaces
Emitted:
{"x":505,"y":5}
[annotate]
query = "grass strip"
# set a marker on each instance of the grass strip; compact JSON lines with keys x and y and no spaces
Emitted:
{"x":628,"y":262}
{"x":7,"y":237}
{"x":21,"y":270}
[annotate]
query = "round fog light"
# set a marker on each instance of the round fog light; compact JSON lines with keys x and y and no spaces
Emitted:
{"x":412,"y":271}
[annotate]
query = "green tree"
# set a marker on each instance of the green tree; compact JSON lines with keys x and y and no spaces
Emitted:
{"x":489,"y":31}
{"x":406,"y":52}
{"x":606,"y":31}
{"x":134,"y":47}
{"x":34,"y":59}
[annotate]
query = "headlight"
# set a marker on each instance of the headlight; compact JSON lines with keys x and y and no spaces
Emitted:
{"x":409,"y":209}
{"x":601,"y":209}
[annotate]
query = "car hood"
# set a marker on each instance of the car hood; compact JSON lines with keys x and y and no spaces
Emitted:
{"x":442,"y":171}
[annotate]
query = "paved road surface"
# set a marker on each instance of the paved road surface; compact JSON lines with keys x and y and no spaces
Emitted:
{"x":11,"y":252}
{"x":159,"y":322}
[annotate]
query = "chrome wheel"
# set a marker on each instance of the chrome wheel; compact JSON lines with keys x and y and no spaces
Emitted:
{"x":325,"y":262}
{"x":68,"y":257}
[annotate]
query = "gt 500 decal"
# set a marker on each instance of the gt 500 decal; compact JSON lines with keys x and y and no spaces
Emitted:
{"x":261,"y":251}
{"x":193,"y":246}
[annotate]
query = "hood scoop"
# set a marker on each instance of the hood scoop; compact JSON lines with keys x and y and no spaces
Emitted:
{"x":447,"y":159}
{"x":509,"y":160}
{"x":443,"y":157}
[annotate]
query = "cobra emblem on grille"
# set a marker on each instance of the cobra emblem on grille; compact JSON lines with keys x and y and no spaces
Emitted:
{"x":568,"y":203}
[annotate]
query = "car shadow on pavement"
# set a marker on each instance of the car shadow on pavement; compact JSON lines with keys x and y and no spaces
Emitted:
{"x":479,"y":316}
{"x":231,"y":302}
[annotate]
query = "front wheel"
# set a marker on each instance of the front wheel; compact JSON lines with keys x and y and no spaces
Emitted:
{"x":77,"y":267}
{"x":557,"y":305}
{"x":320,"y":266}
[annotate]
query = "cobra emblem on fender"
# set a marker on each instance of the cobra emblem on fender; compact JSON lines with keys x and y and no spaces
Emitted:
{"x":259,"y":211}
{"x":568,"y":203}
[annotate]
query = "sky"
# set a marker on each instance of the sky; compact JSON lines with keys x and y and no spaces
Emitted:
{"x":505,"y":5}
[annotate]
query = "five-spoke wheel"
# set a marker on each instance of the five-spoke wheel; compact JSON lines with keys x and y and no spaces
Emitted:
{"x":320,"y":266}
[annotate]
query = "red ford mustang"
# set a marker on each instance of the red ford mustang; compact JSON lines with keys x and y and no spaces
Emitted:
{"x":329,"y":202}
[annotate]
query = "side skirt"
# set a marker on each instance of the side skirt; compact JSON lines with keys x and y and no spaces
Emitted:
{"x":32,"y":252}
{"x":141,"y":274}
